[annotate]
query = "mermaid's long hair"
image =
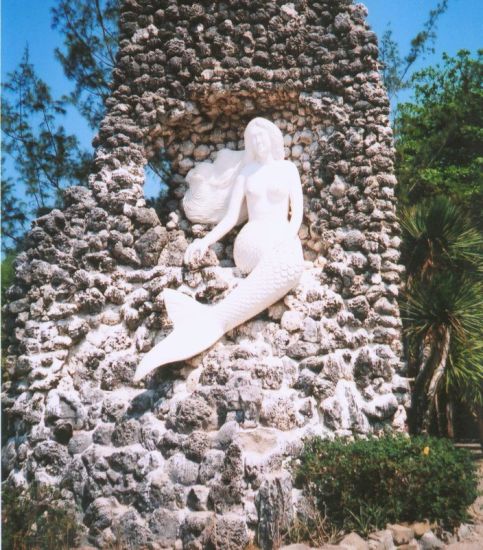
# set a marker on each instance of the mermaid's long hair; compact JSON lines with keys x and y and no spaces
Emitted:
{"x":211,"y":183}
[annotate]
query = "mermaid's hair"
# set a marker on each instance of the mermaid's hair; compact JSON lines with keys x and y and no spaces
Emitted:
{"x":211,"y":183}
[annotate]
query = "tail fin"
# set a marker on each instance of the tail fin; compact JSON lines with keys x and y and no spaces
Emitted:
{"x":195,"y":329}
{"x":178,"y":305}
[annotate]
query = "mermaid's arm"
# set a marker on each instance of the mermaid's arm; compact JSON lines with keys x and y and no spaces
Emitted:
{"x":230,"y":219}
{"x":296,"y":203}
{"x":228,"y":222}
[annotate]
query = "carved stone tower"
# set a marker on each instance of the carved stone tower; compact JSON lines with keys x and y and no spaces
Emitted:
{"x":198,"y":456}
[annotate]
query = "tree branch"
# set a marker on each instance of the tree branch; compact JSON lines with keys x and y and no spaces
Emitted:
{"x":100,"y":19}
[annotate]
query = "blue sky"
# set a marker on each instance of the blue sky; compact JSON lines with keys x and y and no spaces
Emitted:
{"x":28,"y":22}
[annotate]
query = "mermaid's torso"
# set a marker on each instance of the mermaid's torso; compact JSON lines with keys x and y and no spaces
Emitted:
{"x":267,"y":195}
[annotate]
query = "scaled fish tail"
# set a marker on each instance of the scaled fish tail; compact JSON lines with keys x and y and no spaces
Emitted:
{"x":197,"y":326}
{"x":195,"y":329}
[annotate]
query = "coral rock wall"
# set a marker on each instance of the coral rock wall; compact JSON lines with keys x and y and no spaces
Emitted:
{"x":197,"y":456}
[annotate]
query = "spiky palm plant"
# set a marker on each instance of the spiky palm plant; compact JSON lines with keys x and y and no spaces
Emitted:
{"x":437,"y":236}
{"x":442,"y":310}
{"x":443,"y":318}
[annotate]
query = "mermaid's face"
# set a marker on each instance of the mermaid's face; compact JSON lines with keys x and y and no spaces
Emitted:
{"x":261,"y":143}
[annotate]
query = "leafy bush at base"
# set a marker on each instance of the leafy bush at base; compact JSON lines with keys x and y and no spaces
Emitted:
{"x":388,"y":480}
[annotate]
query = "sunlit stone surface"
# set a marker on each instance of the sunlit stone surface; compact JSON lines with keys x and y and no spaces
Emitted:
{"x":196,"y":454}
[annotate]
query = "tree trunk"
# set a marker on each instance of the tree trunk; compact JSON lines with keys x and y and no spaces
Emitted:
{"x":480,"y":424}
{"x":450,"y":418}
{"x":418,"y":401}
{"x":438,"y":372}
{"x":438,"y":408}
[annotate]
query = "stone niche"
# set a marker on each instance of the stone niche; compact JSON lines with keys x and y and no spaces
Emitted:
{"x":198,"y":455}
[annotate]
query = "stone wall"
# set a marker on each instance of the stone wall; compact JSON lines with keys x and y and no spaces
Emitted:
{"x":197,"y":456}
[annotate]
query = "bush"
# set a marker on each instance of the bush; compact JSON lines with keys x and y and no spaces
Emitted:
{"x":7,"y":274}
{"x":36,"y":519}
{"x":367,"y":483}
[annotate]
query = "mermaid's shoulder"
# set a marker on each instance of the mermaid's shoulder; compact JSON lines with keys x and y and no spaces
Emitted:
{"x":290,"y":168}
{"x":289,"y":164}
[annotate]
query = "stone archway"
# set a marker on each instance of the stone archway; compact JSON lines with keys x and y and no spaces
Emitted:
{"x":198,"y":455}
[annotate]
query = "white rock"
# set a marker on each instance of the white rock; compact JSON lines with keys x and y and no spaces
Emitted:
{"x":297,"y":151}
{"x":338,"y":187}
{"x":181,"y":470}
{"x":292,"y":320}
{"x":429,"y":541}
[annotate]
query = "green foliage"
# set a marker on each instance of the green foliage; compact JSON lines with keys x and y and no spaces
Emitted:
{"x":438,"y":142}
{"x":364,"y":484}
{"x":36,"y":520}
{"x":392,"y":65}
{"x":395,"y":69}
{"x":439,"y":134}
{"x":448,"y":301}
{"x":14,"y":215}
{"x":90,"y":31}
{"x":368,"y":519}
{"x":46,"y":158}
{"x":442,"y":309}
{"x":7,"y":273}
{"x":443,"y":319}
{"x":437,"y":236}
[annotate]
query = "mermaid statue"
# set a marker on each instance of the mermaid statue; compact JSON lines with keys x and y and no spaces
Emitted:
{"x":257,"y":182}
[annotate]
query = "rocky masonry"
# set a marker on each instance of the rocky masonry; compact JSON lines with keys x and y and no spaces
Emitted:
{"x":198,"y":456}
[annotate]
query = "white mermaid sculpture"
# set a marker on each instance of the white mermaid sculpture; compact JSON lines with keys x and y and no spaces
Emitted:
{"x":210,"y":187}
{"x":267,"y":248}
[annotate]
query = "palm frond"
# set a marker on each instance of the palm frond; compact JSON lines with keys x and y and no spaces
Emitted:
{"x":464,"y":373}
{"x":446,"y":300}
{"x":437,"y":235}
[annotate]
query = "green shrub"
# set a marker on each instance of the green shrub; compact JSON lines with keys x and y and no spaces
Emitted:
{"x":36,"y":520}
{"x":7,"y":274}
{"x":367,"y":483}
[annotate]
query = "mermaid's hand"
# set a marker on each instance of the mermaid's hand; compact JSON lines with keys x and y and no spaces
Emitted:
{"x":196,"y":250}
